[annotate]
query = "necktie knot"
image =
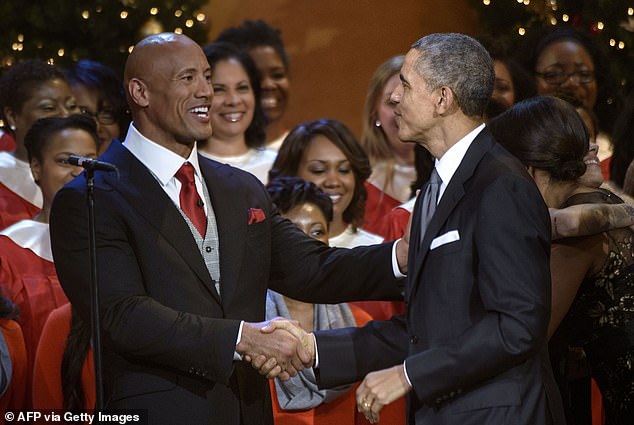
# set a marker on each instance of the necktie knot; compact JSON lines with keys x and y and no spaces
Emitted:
{"x":185,"y":174}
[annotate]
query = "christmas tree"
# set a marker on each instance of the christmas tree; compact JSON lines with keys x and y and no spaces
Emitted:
{"x":63,"y":31}
{"x":609,"y":24}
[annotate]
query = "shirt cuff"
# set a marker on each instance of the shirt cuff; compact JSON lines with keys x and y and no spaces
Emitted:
{"x":237,"y":356}
{"x":407,"y":377}
{"x":395,"y":268}
{"x":316,"y":365}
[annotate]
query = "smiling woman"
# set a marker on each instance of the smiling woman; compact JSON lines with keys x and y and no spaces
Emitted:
{"x":236,"y":114}
{"x":326,"y":153}
{"x":29,"y":90}
{"x":264,"y":44}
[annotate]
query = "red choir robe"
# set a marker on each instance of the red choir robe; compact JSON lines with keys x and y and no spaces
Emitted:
{"x":14,"y":398}
{"x":47,"y":372}
{"x":7,"y":142}
{"x":382,"y":198}
{"x":28,"y":278}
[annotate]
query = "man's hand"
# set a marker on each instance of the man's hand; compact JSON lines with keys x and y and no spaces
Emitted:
{"x":276,"y":352}
{"x":307,"y":339}
{"x":379,"y":389}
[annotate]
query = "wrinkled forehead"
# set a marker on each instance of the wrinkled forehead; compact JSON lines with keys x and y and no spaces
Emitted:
{"x":412,"y":66}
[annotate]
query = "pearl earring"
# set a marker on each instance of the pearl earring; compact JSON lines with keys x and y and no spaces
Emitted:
{"x":377,"y":123}
{"x":12,"y":127}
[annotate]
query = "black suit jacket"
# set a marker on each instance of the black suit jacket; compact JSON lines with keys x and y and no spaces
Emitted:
{"x":169,"y":339}
{"x":478,"y":294}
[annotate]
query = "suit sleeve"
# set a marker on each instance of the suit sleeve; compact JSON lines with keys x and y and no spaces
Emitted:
{"x":347,"y":355}
{"x":305,"y":269}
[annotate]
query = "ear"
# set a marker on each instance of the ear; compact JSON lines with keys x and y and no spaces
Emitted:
{"x":9,"y":116}
{"x":446,"y":100}
{"x":538,"y":175}
{"x":138,"y":92}
{"x":36,"y":170}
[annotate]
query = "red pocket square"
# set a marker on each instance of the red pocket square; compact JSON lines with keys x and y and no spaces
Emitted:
{"x":256,"y":215}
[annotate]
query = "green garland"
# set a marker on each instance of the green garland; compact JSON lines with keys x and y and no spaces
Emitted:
{"x":103,"y":30}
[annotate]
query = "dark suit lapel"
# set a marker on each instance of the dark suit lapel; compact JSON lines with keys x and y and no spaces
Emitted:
{"x":144,"y":193}
{"x":230,"y":208}
{"x":414,"y":254}
{"x":451,"y":197}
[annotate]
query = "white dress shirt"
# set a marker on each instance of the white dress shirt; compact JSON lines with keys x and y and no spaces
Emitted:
{"x":447,"y":165}
{"x":163,"y":163}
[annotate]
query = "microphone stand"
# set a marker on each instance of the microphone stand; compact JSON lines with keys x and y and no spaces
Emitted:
{"x":94,"y":289}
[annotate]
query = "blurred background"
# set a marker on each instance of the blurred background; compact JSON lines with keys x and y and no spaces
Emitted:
{"x":334,"y":45}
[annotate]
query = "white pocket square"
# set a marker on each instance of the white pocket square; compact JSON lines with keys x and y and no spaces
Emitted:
{"x":450,"y":236}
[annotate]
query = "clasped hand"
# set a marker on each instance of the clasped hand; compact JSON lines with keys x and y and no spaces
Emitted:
{"x":277,"y":347}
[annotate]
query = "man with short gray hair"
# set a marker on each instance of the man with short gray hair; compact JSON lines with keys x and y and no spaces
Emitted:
{"x":473,"y":347}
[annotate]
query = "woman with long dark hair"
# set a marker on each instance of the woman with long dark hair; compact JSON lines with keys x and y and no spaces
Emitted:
{"x":264,"y":44}
{"x":236,"y":114}
{"x":325,"y":152}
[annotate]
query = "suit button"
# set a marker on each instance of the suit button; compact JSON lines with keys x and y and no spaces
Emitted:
{"x":413,"y":339}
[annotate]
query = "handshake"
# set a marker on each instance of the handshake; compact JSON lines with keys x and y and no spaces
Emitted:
{"x":277,"y":348}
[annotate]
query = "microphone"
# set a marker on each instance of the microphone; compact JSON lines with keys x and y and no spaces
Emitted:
{"x":89,"y":163}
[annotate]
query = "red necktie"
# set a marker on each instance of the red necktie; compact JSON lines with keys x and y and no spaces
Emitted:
{"x":191,"y":204}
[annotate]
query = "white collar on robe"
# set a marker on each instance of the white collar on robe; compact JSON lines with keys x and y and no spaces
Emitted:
{"x":33,"y":235}
{"x":351,"y":239}
{"x":16,"y":175}
{"x":409,"y":205}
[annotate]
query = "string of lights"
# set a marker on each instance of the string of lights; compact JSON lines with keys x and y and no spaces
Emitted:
{"x":610,"y":23}
{"x":63,"y":31}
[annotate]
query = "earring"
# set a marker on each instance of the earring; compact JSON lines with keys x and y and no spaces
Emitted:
{"x":377,"y":123}
{"x":12,"y":127}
